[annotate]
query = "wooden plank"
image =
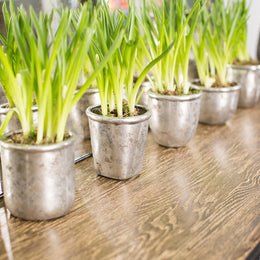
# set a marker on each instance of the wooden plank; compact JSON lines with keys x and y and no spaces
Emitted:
{"x":198,"y":202}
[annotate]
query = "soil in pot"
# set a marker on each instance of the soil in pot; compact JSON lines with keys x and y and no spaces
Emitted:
{"x":250,"y":62}
{"x":216,"y":84}
{"x":138,"y":111}
{"x":178,"y":93}
{"x":19,"y":138}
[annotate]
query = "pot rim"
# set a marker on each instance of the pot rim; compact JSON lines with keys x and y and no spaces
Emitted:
{"x":5,"y":110}
{"x":174,"y":98}
{"x":117,"y":120}
{"x":244,"y":67}
{"x":35,"y":148}
{"x":215,"y":90}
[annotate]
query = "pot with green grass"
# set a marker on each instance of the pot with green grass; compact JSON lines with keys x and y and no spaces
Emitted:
{"x":119,"y":129}
{"x":244,"y":70}
{"x":213,"y":52}
{"x":43,"y":156}
{"x":174,"y":105}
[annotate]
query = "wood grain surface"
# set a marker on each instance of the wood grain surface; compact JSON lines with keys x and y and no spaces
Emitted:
{"x":196,"y":202}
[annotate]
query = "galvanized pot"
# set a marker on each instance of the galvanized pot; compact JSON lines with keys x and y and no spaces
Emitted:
{"x":77,"y":121}
{"x":14,"y":123}
{"x":174,"y":118}
{"x":38,"y":180}
{"x":118,"y":144}
{"x":218,"y":105}
{"x":248,"y":78}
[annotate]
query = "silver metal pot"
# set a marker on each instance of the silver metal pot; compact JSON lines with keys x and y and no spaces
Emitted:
{"x":218,"y":105}
{"x":38,"y":180}
{"x":174,"y":118}
{"x":118,"y":144}
{"x":248,"y":77}
{"x":14,"y":123}
{"x":77,"y":121}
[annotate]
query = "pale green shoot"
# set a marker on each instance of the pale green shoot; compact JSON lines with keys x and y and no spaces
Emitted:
{"x":120,"y":70}
{"x":169,"y":24}
{"x":223,"y":31}
{"x":52,"y":68}
{"x":182,"y":61}
{"x":240,"y":49}
{"x":200,"y":51}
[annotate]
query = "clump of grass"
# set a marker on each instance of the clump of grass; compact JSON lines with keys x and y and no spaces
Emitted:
{"x":49,"y":67}
{"x":167,"y":24}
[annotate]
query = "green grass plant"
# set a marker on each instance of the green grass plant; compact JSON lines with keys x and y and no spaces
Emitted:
{"x":51,"y":63}
{"x":120,"y":70}
{"x":165,"y":24}
{"x":223,"y":30}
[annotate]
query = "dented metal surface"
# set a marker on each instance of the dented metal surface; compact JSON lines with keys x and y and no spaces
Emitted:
{"x":218,"y":105}
{"x":118,"y":144}
{"x":38,"y":180}
{"x":248,"y":78}
{"x":174,"y":118}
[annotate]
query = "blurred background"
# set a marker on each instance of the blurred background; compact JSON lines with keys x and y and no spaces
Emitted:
{"x":253,"y":22}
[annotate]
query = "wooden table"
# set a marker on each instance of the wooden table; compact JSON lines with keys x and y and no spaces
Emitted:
{"x":196,"y":202}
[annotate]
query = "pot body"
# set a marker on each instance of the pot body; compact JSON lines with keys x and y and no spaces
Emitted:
{"x":174,"y":118}
{"x":248,"y":78}
{"x":218,"y":105}
{"x":38,"y":180}
{"x":77,"y":120}
{"x":14,"y":123}
{"x":118,"y":144}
